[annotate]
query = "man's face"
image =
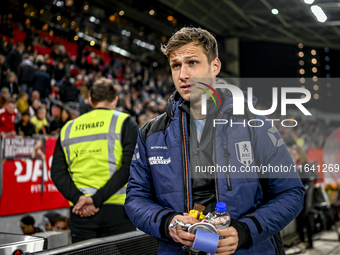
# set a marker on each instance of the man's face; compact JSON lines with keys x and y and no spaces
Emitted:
{"x":11,"y":79}
{"x":48,"y":226}
{"x":35,"y":95}
{"x":188,"y":62}
{"x":294,"y":154}
{"x":64,"y":115}
{"x":25,"y":118}
{"x":11,"y":108}
{"x":42,"y":114}
{"x":60,"y":225}
{"x":5,"y":94}
{"x":26,"y":229}
{"x":21,"y":48}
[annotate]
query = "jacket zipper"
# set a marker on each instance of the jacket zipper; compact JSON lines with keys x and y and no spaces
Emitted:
{"x":185,"y":164}
{"x":214,"y":153}
{"x":214,"y":157}
{"x":216,"y":181}
{"x":226,"y":160}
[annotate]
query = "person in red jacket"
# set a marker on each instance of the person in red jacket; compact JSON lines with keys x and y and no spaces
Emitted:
{"x":7,"y":117}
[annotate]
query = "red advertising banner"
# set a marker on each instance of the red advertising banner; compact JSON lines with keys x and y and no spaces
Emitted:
{"x":27,"y":185}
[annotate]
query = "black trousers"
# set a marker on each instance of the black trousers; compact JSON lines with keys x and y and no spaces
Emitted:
{"x":305,"y":219}
{"x":109,"y":220}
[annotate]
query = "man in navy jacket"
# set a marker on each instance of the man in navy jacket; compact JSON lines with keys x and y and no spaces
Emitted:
{"x":162,"y":185}
{"x":41,"y":81}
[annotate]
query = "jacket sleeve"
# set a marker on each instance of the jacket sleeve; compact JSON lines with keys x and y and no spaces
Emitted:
{"x":141,"y":203}
{"x":61,"y":177}
{"x":20,"y":74}
{"x":283,"y":192}
{"x":12,"y":122}
{"x":30,"y":130}
{"x":16,"y":89}
{"x":32,"y":80}
{"x":120,"y":177}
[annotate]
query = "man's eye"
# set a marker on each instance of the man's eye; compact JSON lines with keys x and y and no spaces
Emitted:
{"x":175,"y":66}
{"x":193,"y":63}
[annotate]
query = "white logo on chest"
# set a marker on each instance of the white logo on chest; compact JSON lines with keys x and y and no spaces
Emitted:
{"x":244,"y":152}
{"x":158,"y":160}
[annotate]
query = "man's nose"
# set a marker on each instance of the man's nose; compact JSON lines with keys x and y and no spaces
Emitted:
{"x":184,"y":74}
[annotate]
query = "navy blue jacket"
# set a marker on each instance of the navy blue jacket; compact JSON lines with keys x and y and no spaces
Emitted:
{"x":160,"y":177}
{"x":41,"y":81}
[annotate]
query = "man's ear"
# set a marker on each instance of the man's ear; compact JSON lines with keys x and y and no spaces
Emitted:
{"x":90,"y":102}
{"x":216,"y":66}
{"x":115,"y":101}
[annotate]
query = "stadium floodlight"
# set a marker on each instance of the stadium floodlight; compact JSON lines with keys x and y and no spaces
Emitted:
{"x":144,"y":44}
{"x":120,"y":51}
{"x":318,"y":12}
{"x":58,"y":3}
{"x":275,"y":11}
{"x":126,"y":33}
{"x":92,"y":19}
{"x":309,"y":1}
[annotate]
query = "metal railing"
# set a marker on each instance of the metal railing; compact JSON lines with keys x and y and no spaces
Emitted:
{"x":136,"y":242}
{"x":70,"y":106}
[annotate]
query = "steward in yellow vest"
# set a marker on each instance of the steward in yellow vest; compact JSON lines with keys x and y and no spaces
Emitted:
{"x":91,"y":165}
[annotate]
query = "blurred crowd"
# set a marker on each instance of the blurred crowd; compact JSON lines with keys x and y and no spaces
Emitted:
{"x":52,"y":221}
{"x":41,"y":92}
{"x":306,"y":134}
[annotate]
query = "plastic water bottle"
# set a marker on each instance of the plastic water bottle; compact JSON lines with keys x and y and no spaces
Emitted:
{"x":221,"y":216}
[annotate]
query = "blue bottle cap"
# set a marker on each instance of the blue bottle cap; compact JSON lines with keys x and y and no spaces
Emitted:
{"x":221,"y":207}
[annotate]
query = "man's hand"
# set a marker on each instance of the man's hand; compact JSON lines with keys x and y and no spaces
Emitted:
{"x":181,"y":236}
{"x":88,"y":211}
{"x":85,"y":207}
{"x":228,"y":245}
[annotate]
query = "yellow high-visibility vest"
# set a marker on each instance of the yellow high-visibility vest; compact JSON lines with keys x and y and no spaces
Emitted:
{"x":93,"y":150}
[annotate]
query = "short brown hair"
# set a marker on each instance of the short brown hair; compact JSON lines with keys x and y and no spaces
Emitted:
{"x":41,"y":109}
{"x":11,"y":101}
{"x":103,"y":90}
{"x":198,"y":36}
{"x":62,"y":218}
